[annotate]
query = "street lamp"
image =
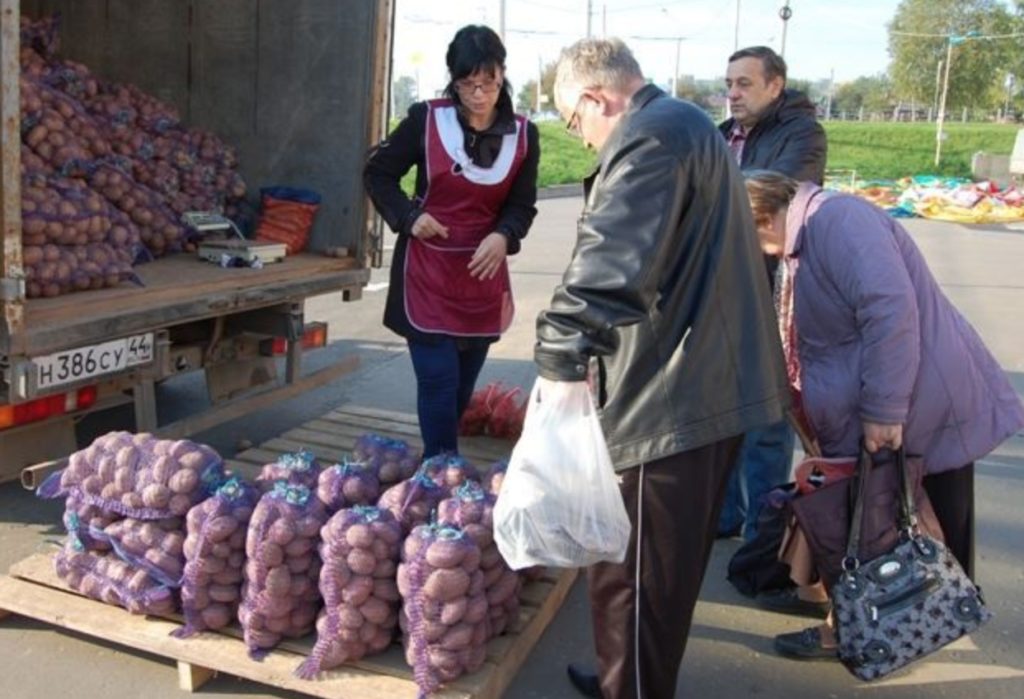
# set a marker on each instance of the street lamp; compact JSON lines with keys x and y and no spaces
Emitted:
{"x":784,"y":13}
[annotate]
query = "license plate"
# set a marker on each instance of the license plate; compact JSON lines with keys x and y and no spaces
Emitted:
{"x":81,"y":363}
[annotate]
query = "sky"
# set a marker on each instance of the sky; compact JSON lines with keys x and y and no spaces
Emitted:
{"x":848,"y":37}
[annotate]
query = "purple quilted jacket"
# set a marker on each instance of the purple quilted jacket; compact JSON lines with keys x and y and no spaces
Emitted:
{"x":879,"y":341}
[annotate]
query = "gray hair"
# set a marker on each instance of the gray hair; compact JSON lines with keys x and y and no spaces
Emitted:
{"x":598,"y":63}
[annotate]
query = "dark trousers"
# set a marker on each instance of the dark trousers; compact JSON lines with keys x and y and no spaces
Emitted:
{"x":642,"y":608}
{"x":445,"y":376}
{"x":952,"y":497}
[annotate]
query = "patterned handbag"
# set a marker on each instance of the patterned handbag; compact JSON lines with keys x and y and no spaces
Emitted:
{"x":903,"y":604}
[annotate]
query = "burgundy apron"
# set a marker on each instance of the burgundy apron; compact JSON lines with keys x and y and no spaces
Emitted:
{"x":440,"y":294}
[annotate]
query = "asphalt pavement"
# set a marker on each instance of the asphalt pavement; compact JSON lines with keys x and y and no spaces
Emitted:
{"x":729,"y":654}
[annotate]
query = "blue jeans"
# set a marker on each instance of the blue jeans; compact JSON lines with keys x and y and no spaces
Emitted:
{"x":445,"y":377}
{"x":765,"y":461}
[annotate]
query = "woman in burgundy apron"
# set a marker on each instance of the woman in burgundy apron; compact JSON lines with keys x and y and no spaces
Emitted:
{"x":476,"y":186}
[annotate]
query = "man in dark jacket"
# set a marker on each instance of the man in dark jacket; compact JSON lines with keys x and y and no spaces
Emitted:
{"x":772,"y":128}
{"x":665,"y":303}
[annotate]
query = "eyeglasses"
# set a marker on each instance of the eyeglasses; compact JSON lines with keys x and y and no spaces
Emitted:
{"x":468,"y":88}
{"x":572,"y":126}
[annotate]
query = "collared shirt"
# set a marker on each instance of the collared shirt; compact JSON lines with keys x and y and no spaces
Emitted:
{"x":736,"y":139}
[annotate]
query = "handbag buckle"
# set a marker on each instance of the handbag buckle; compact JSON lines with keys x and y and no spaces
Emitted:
{"x":850,"y":564}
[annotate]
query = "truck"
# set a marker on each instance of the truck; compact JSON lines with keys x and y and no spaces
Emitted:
{"x":300,"y":89}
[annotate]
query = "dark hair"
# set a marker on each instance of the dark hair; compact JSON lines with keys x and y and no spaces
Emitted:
{"x":475,"y":48}
{"x":769,"y":192}
{"x":772,"y":63}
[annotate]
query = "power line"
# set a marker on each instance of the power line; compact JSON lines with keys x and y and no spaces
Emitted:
{"x":962,"y":37}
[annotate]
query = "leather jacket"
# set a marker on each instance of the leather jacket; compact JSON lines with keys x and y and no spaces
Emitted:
{"x":666,"y":291}
{"x":787,"y":138}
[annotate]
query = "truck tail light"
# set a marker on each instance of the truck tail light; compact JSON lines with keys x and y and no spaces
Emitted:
{"x":314,"y":335}
{"x":47,"y":407}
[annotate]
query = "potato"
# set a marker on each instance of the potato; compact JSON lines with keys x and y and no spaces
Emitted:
{"x":454,"y":611}
{"x":216,"y":616}
{"x":156,"y":496}
{"x":219,"y":528}
{"x":446,"y":584}
{"x":299,"y":547}
{"x":224,"y":593}
{"x":446,"y":553}
{"x":361,"y":562}
{"x":179,"y":504}
{"x":360,"y":535}
{"x":184,"y":481}
{"x":281,"y":532}
{"x":278,"y":581}
{"x":270,"y":554}
{"x":357,"y":590}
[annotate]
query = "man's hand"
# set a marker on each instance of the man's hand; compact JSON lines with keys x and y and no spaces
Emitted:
{"x":488,"y":257}
{"x":877,"y":436}
{"x":426,"y":226}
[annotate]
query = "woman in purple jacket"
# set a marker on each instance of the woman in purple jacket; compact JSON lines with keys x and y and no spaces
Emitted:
{"x":874,"y":349}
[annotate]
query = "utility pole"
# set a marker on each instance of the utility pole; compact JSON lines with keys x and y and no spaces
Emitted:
{"x":540,"y":79}
{"x":736,"y":33}
{"x":831,"y":91}
{"x":938,"y":82}
{"x":785,"y":13}
{"x":604,"y":20}
{"x":675,"y":75}
{"x":939,"y":135}
{"x":501,"y":20}
{"x":590,"y":16}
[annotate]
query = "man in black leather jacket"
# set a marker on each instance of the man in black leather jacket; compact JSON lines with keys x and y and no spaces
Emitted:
{"x":666,"y":303}
{"x":772,"y":128}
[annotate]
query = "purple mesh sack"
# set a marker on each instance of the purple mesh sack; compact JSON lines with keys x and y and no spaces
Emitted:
{"x":495,"y":477}
{"x":444,"y":617}
{"x":215,"y":557}
{"x":471,"y":509}
{"x":299,"y":468}
{"x":152,"y":546}
{"x":360,"y":551}
{"x":412,"y":501}
{"x":449,"y":470}
{"x":138,"y":476}
{"x":280,"y":596}
{"x":347,"y":484}
{"x":392,"y":459}
{"x":111,"y":580}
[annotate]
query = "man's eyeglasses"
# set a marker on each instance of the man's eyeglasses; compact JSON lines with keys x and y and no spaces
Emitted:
{"x":468,"y":88}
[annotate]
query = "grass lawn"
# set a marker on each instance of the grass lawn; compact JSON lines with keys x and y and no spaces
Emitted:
{"x":872,"y":150}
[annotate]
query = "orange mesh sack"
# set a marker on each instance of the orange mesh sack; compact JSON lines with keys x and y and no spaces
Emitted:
{"x":287,"y":216}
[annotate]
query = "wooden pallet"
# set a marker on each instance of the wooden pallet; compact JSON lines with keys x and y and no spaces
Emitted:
{"x":32,"y":589}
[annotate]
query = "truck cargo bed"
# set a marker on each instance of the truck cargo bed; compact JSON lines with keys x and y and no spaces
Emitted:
{"x":177,"y":289}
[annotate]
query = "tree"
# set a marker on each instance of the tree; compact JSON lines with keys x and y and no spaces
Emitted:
{"x":977,"y":64}
{"x":404,"y":94}
{"x":873,"y":94}
{"x":526,"y":101}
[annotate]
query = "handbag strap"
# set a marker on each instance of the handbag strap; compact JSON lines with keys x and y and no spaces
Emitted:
{"x":907,"y":512}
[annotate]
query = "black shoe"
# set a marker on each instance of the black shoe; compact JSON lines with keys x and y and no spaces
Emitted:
{"x":804,"y":645}
{"x":787,"y":601}
{"x":585,"y":681}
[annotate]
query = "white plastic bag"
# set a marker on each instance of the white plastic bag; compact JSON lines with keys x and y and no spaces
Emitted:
{"x":560,"y":503}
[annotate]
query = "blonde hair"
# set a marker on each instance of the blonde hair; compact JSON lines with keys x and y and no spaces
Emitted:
{"x":598,"y":63}
{"x":769,"y":192}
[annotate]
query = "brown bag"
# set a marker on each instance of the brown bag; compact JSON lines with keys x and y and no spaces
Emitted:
{"x":824,"y":515}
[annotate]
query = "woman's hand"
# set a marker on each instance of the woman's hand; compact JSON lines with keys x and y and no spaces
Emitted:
{"x":488,"y":257}
{"x":877,"y":435}
{"x":426,"y":226}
